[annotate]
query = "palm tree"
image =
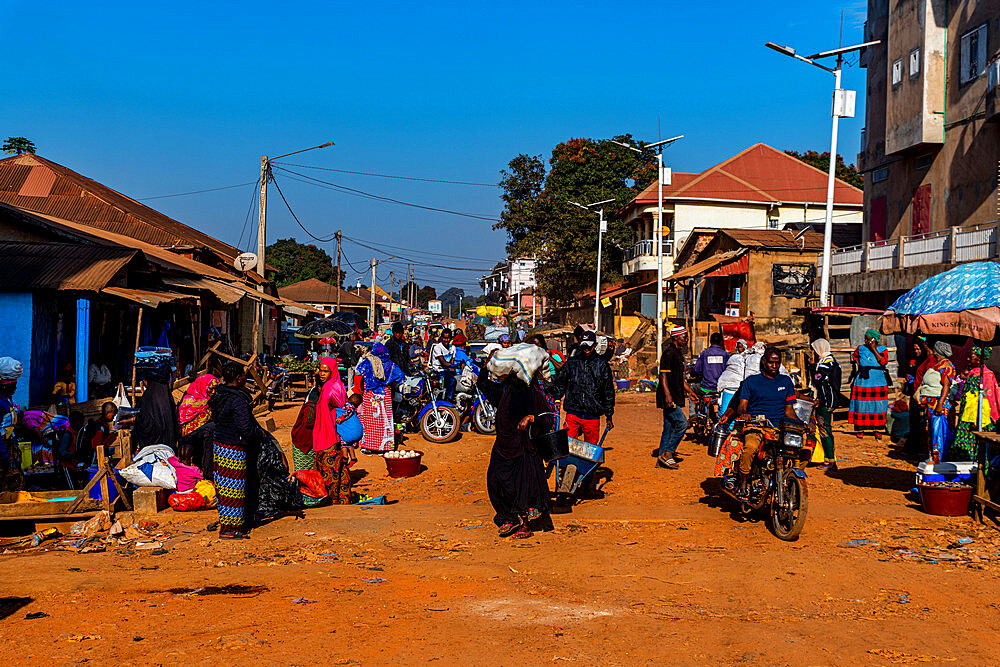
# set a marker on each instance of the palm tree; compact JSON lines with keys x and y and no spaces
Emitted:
{"x":18,"y":145}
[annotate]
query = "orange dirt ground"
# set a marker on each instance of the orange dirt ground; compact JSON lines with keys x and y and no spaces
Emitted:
{"x":656,"y":571}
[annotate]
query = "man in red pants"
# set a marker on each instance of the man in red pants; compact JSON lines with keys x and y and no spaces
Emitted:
{"x":586,"y":382}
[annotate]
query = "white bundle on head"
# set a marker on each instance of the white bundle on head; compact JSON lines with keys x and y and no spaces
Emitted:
{"x":523,"y":359}
{"x":10,"y":369}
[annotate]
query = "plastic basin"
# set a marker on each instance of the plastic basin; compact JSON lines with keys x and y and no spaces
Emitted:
{"x":945,"y":500}
{"x":404,"y":467}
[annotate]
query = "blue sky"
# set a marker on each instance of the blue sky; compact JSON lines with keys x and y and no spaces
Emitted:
{"x":161,"y":99}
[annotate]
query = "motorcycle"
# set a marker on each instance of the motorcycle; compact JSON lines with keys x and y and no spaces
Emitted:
{"x":776,"y":480}
{"x":470,"y":401}
{"x":420,"y":406}
{"x":704,"y":413}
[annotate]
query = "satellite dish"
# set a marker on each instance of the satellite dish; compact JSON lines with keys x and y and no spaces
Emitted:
{"x":245,"y":261}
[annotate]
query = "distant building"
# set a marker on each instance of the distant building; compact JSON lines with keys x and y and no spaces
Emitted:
{"x":512,"y":278}
{"x":324,"y":296}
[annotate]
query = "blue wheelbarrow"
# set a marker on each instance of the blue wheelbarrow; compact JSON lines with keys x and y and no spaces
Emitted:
{"x":573,"y":470}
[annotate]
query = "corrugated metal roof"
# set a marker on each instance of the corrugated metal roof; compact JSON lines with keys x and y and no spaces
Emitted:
{"x":704,"y":266}
{"x":761,"y":174}
{"x":775,"y":238}
{"x":72,"y":196}
{"x":225,"y":293}
{"x":147,"y":297}
{"x":314,"y":290}
{"x":27,"y":266}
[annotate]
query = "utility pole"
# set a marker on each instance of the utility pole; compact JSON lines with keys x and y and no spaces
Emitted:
{"x":340,"y":285}
{"x":392,"y":284}
{"x":265,"y":173}
{"x":372,"y":317}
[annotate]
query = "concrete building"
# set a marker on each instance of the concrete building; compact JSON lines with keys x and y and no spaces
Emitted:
{"x":930,"y":147}
{"x":513,"y":278}
{"x":760,"y":188}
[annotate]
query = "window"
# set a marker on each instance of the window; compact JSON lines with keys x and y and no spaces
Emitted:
{"x":972,"y":54}
{"x":793,"y":280}
{"x":914,"y":62}
{"x":772,"y":223}
{"x":923,"y":162}
{"x":880,"y":175}
{"x":897,"y":72}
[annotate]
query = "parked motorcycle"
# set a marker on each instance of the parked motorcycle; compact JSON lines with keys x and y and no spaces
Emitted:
{"x":776,"y":482}
{"x":420,"y":406}
{"x":470,"y":401}
{"x":704,"y":413}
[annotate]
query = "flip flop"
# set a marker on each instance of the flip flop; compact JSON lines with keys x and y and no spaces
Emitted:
{"x":523,"y":534}
{"x":508,"y":529}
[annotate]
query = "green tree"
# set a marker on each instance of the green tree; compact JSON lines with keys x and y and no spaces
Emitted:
{"x":845,"y":172}
{"x":296,"y":261}
{"x":17,"y":145}
{"x":425,"y":294}
{"x":540,"y":220}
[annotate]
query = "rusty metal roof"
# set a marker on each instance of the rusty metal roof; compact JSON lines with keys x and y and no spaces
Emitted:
{"x":150,"y":298}
{"x":32,"y":265}
{"x":31,"y":182}
{"x":314,"y":290}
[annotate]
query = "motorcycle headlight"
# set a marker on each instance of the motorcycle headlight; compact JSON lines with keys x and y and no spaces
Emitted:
{"x":792,"y":440}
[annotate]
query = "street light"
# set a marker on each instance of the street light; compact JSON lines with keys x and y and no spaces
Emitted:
{"x":602,"y":227}
{"x":843,"y":106}
{"x":658,"y":230}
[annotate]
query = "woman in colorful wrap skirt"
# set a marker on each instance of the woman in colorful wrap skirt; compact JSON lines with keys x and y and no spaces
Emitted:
{"x":235,"y":429}
{"x":379,"y":373}
{"x":870,"y":386}
{"x":935,"y":386}
{"x":980,"y":386}
{"x":332,"y":459}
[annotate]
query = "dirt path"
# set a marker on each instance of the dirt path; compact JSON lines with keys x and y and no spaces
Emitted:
{"x":656,"y":571}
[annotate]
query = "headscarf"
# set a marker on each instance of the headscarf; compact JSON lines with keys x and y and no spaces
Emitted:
{"x":325,"y":431}
{"x":745,"y":345}
{"x":194,"y":411}
{"x":942,"y":349}
{"x":10,"y":369}
{"x":821,"y":347}
{"x":871,"y":333}
{"x":983,"y":351}
{"x":678,"y":331}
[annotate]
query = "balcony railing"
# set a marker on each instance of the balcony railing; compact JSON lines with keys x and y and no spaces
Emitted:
{"x":951,"y":246}
{"x":647,"y":248}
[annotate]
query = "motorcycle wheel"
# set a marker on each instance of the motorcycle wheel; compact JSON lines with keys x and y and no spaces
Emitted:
{"x":483,"y":422}
{"x":788,"y":520}
{"x":443,"y":430}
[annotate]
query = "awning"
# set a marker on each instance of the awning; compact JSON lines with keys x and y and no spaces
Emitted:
{"x":148,"y":297}
{"x":742,"y":265}
{"x":704,"y":266}
{"x":296,"y":308}
{"x":227,"y":294}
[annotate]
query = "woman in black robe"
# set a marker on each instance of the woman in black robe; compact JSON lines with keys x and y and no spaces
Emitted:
{"x":515,"y":479}
{"x":156,"y":423}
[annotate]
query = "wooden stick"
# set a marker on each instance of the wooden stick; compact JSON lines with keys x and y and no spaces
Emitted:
{"x":138,"y":332}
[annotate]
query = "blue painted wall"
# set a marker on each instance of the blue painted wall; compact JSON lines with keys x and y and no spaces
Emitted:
{"x":82,"y":348}
{"x":15,"y":336}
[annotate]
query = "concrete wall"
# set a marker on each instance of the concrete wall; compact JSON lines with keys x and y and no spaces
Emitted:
{"x":15,"y":332}
{"x":759,"y":297}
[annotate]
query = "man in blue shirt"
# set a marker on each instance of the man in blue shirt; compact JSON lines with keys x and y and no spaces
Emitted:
{"x":770,"y":395}
{"x":711,"y":362}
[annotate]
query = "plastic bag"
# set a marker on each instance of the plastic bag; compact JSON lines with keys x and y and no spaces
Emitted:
{"x":311,"y":483}
{"x":206,"y":489}
{"x":186,"y":502}
{"x":120,"y":399}
{"x":151,"y":467}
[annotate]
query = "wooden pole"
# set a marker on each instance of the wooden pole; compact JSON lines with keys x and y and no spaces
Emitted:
{"x":372,"y":316}
{"x":339,"y":279}
{"x":138,"y":332}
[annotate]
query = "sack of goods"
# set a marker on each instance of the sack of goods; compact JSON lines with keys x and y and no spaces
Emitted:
{"x":523,"y":359}
{"x":151,"y":467}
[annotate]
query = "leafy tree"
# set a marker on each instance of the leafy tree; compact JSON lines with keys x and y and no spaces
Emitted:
{"x":423,"y":294}
{"x":845,"y":172}
{"x":540,"y":220}
{"x":17,"y":145}
{"x":296,"y":262}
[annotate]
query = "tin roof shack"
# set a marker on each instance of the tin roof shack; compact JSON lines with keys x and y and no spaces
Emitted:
{"x":763,"y":274}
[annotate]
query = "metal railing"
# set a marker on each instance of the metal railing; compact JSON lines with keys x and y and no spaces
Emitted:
{"x":951,"y":246}
{"x":645,"y":247}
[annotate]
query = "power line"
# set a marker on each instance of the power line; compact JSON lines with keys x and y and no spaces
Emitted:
{"x":313,"y":236}
{"x":402,"y":178}
{"x":411,"y":260}
{"x":422,"y":252}
{"x":368,"y":195}
{"x":253,"y":197}
{"x":196,"y":192}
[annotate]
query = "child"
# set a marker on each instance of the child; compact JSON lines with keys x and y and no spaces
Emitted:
{"x":349,"y":426}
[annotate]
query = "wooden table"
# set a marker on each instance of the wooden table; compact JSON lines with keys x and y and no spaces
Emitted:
{"x":981,"y":498}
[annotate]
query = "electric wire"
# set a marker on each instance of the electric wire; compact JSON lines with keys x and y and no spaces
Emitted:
{"x":196,"y":192}
{"x":246,"y":221}
{"x":313,"y":236}
{"x":402,"y":178}
{"x":414,"y":261}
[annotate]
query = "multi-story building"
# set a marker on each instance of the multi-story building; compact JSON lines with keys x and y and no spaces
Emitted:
{"x":512,"y":278}
{"x":930,"y":147}
{"x":759,"y":188}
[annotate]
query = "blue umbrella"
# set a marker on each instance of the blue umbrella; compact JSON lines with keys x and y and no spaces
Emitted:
{"x":964,"y":301}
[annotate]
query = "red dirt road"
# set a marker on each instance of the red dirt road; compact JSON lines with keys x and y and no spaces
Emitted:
{"x":656,"y":571}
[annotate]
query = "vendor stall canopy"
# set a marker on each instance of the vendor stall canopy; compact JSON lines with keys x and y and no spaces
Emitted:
{"x":964,"y":301}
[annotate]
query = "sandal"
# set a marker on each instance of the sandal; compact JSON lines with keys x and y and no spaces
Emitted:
{"x":233,"y":535}
{"x":523,"y":534}
{"x":508,"y":529}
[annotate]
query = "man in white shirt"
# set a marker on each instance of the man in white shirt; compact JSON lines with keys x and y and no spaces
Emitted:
{"x":99,"y":378}
{"x":443,"y":361}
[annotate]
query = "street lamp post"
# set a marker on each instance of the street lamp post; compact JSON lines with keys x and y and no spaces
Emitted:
{"x":843,"y":106}
{"x":602,"y":227}
{"x":657,"y":230}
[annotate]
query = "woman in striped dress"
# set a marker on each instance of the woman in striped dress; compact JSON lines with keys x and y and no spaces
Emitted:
{"x":870,"y":385}
{"x":379,"y":373}
{"x":235,"y":428}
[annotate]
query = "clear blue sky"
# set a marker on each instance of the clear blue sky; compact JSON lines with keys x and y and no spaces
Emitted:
{"x":156,"y":100}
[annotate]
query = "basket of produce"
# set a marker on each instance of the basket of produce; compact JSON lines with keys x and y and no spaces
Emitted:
{"x":403,"y":463}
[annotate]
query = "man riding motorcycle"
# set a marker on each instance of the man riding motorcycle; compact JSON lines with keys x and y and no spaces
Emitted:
{"x":770,"y":395}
